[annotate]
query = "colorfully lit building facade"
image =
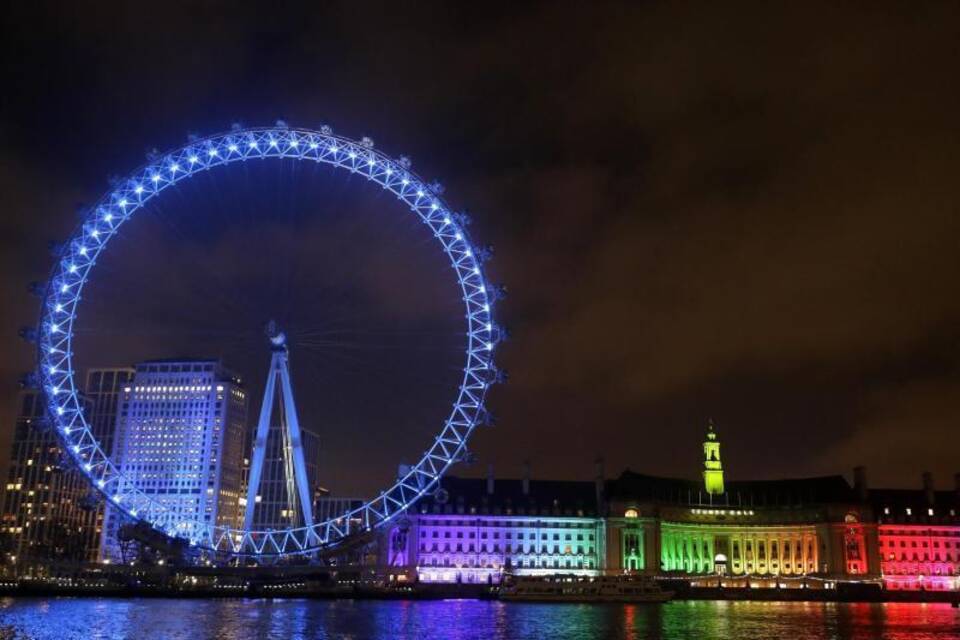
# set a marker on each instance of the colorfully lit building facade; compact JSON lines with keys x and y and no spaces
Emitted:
{"x":803,"y":533}
{"x":807,"y":532}
{"x":179,"y":438}
{"x":919,"y":537}
{"x":473,"y":531}
{"x":777,"y":531}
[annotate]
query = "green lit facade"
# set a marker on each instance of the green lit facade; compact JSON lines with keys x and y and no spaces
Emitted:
{"x":781,"y":529}
{"x":809,"y":533}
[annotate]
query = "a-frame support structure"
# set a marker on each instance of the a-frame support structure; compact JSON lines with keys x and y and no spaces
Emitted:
{"x":293,"y":443}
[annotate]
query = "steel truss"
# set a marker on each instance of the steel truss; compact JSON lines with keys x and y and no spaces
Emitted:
{"x":295,"y":468}
{"x":63,"y":294}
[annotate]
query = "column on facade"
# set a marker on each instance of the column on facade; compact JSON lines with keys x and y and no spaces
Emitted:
{"x":755,"y":546}
{"x":694,"y":552}
{"x":790,"y":555}
{"x":706,"y":562}
{"x":671,"y":548}
{"x":736,"y":553}
{"x":773,"y":555}
{"x":809,"y":553}
{"x":677,"y":558}
{"x":702,"y":553}
{"x":665,"y":549}
{"x":696,"y":540}
{"x":763,"y":556}
{"x":801,"y":554}
{"x":799,"y":560}
{"x":711,"y":552}
{"x":684,"y":553}
{"x":749,"y":554}
{"x":804,"y":548}
{"x":814,"y":544}
{"x":641,"y":548}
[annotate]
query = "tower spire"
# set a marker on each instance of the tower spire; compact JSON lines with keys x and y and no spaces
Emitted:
{"x":712,"y":467}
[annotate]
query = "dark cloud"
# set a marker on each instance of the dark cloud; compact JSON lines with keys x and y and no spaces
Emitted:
{"x":747,"y":213}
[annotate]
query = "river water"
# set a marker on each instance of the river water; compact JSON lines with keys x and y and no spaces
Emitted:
{"x":140,"y":619}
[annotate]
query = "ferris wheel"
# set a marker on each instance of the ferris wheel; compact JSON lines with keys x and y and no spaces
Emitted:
{"x":61,"y":305}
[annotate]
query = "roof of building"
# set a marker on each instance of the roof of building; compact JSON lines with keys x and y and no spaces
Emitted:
{"x":913,"y":507}
{"x":544,"y":497}
{"x":579,"y":498}
{"x":208,"y":365}
{"x":787,"y":492}
{"x":916,"y":498}
{"x":181,"y":360}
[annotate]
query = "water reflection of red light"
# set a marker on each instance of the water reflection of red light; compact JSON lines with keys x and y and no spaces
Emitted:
{"x":629,"y":619}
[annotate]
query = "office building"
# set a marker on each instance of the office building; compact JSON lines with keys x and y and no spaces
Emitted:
{"x":179,"y":439}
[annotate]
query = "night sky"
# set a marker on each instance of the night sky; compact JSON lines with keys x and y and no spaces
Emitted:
{"x":744,"y":213}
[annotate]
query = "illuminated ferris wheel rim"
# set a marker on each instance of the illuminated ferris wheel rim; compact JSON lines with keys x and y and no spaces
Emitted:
{"x":79,"y":255}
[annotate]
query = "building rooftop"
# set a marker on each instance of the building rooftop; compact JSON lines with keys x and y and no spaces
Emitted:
{"x":188,"y":365}
{"x":913,"y":506}
{"x":757,"y":493}
{"x":579,"y":498}
{"x":543,"y":497}
{"x":181,"y":360}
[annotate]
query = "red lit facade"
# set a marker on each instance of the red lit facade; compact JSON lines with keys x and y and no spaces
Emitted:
{"x":919,"y":538}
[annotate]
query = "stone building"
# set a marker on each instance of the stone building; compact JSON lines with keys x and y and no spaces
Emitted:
{"x":802,"y":533}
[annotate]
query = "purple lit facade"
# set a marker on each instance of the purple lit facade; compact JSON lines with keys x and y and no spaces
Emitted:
{"x":480,"y":548}
{"x":477,"y":530}
{"x":811,"y":533}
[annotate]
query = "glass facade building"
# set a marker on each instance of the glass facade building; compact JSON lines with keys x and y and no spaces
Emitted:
{"x":103,"y":389}
{"x":179,"y":438}
{"x":49,"y":508}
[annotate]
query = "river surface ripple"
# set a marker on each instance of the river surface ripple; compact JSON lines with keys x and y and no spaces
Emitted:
{"x":239,"y":619}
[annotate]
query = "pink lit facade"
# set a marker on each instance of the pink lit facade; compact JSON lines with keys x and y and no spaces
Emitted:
{"x":920,"y":557}
{"x":814,"y":533}
{"x":919,"y":538}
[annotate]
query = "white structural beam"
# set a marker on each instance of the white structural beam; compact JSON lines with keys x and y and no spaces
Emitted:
{"x":279,"y":370}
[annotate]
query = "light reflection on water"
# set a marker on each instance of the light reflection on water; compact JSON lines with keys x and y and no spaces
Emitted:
{"x":109,"y":619}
